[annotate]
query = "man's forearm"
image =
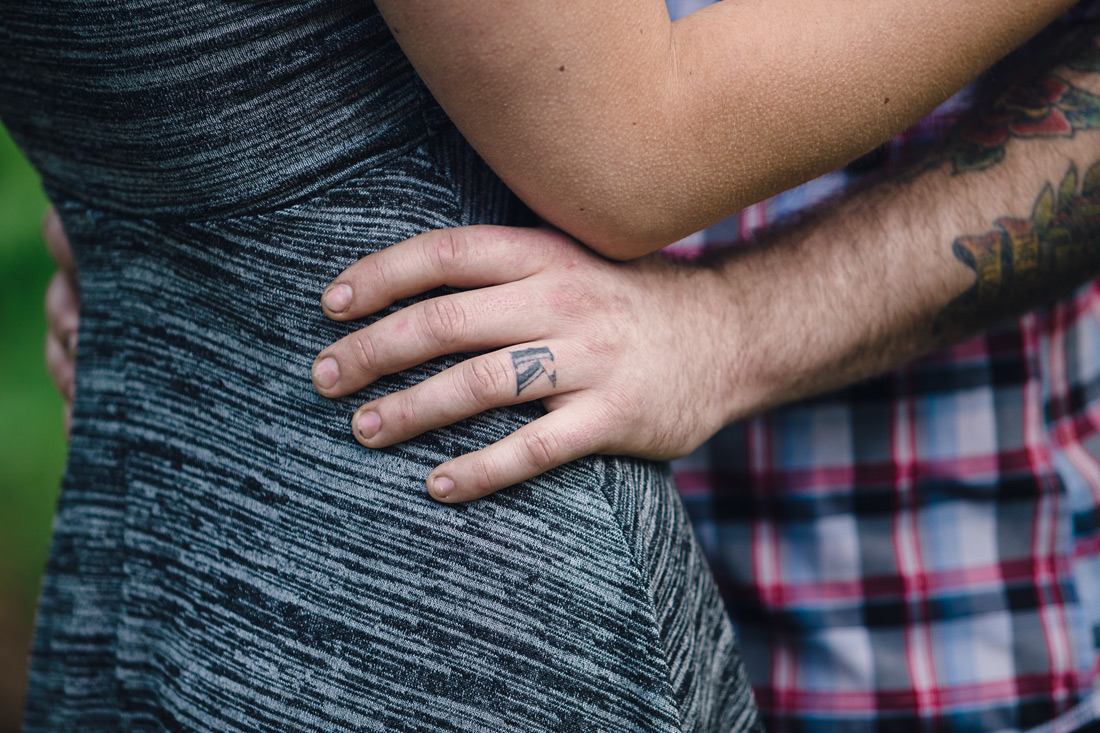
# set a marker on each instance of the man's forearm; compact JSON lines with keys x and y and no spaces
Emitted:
{"x":1005,"y":220}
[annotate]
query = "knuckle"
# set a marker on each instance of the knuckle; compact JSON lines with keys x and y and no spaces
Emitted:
{"x":614,"y":421}
{"x":366,"y":355}
{"x":486,"y":378}
{"x":444,"y":320}
{"x":557,"y":246}
{"x":403,"y":411}
{"x":624,"y":413}
{"x":619,"y":407}
{"x":373,"y":271}
{"x":482,"y":476}
{"x":602,"y":345}
{"x":579,"y":302}
{"x":447,"y":250}
{"x":539,"y":450}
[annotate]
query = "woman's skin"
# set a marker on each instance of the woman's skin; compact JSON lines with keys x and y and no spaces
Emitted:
{"x":62,"y":312}
{"x":650,"y":357}
{"x":629,"y":131}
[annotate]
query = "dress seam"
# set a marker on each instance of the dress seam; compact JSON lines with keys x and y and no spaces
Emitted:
{"x":612,"y":475}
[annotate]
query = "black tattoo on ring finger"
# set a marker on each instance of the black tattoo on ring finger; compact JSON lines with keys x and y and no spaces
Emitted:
{"x":530,"y":364}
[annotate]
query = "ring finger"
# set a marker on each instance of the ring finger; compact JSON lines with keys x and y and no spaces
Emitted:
{"x":506,"y":377}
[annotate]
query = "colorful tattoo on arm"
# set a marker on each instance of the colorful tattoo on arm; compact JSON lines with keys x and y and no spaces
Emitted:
{"x":1024,"y":263}
{"x":1037,"y":104}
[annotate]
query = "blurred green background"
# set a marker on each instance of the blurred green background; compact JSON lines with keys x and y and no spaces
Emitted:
{"x":32,"y":440}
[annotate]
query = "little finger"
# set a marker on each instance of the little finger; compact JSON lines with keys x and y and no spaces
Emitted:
{"x":554,"y":439}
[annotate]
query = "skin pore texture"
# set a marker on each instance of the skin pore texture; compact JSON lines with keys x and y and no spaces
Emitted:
{"x":629,"y":131}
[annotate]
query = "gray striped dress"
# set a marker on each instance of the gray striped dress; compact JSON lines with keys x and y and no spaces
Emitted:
{"x":225,"y":555}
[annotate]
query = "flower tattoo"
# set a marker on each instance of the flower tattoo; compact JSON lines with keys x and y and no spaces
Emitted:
{"x":1023,"y":111}
{"x":1045,"y":105}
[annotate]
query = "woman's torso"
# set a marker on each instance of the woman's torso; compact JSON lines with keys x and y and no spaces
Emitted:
{"x":225,"y":554}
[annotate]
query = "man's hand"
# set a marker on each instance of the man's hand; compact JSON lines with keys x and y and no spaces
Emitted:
{"x":649,"y":358}
{"x":62,"y":313}
{"x":601,"y":343}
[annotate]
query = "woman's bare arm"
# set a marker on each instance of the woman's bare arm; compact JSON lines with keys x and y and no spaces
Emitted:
{"x":630,"y":131}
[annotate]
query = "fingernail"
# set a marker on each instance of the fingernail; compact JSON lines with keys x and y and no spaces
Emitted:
{"x":337,"y":298}
{"x":442,"y":486}
{"x":326,"y":373}
{"x":70,"y":344}
{"x":368,"y":424}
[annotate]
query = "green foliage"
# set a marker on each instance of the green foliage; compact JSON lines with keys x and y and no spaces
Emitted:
{"x":32,"y":443}
{"x":1067,"y":192}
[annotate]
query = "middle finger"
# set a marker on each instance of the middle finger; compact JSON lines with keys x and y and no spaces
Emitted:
{"x":468,"y":321}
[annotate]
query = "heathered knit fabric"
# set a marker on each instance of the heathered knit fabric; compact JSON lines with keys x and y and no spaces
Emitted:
{"x":226,"y":557}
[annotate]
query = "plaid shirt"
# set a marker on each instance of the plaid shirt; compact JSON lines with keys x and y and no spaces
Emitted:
{"x":920,"y":551}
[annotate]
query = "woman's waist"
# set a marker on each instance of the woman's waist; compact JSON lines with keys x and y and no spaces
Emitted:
{"x":198,"y":110}
{"x":439,"y":184}
{"x":170,"y":305}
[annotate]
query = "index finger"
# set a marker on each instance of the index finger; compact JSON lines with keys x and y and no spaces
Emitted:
{"x":462,"y":257}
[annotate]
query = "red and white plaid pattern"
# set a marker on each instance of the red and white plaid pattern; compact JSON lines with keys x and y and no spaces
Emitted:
{"x":920,"y":551}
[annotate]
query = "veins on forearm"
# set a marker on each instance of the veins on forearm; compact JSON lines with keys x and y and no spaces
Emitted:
{"x":1025,"y":262}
